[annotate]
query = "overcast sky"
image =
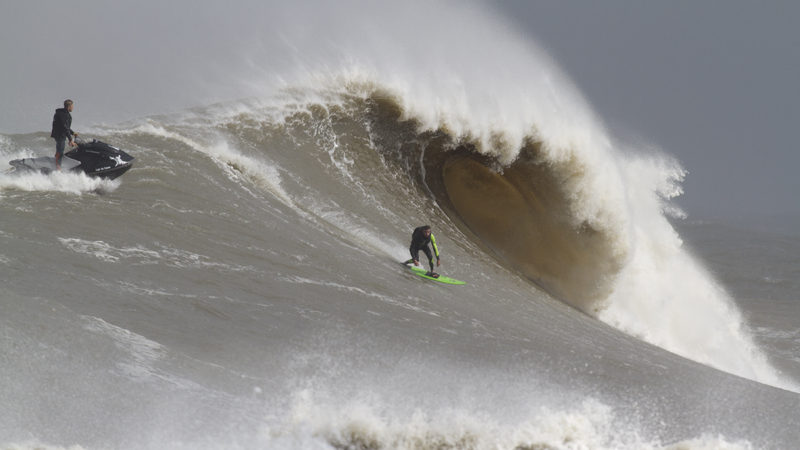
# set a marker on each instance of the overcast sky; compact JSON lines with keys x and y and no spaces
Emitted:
{"x":712,"y":83}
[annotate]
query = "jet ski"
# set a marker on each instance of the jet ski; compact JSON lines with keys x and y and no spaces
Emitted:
{"x":95,"y":158}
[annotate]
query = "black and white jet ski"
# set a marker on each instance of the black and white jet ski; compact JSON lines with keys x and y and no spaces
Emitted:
{"x":95,"y":158}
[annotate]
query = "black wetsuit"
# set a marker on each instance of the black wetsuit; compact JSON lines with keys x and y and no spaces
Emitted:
{"x":62,"y":121}
{"x":420,"y":242}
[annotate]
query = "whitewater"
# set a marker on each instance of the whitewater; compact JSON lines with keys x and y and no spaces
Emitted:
{"x":240,"y":286}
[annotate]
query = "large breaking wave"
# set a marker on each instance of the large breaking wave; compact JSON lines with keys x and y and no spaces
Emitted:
{"x":585,"y":217}
{"x":507,"y":147}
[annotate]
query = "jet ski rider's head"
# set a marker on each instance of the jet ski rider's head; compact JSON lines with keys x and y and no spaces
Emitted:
{"x":68,"y":105}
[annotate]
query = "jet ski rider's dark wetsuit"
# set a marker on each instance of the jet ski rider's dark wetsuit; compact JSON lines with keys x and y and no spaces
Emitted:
{"x":419,"y":241}
{"x":62,"y":121}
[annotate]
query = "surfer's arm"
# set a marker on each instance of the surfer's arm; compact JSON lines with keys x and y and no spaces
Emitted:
{"x":435,"y":248}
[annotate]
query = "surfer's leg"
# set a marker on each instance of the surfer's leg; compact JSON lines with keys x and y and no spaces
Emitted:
{"x":414,"y":255}
{"x":428,"y":253}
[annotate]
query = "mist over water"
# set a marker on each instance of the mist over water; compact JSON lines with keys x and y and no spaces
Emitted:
{"x":239,"y":287}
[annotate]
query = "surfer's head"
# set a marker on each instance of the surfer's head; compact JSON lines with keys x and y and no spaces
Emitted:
{"x":68,"y":105}
{"x":426,"y":230}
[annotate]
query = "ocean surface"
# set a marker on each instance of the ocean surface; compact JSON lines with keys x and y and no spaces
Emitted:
{"x":240,"y":286}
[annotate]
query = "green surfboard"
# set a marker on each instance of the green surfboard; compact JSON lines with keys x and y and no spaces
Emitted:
{"x":442,"y":279}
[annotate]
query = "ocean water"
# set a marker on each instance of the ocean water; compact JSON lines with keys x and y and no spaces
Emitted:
{"x":756,"y":259}
{"x":240,"y":286}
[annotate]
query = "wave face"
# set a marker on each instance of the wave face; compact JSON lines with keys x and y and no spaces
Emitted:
{"x":239,"y":287}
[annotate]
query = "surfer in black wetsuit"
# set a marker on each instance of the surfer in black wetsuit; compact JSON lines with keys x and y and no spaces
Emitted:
{"x":62,"y":121}
{"x":420,"y":239}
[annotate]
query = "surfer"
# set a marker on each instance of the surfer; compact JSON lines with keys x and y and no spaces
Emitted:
{"x":62,"y":121}
{"x":420,"y":239}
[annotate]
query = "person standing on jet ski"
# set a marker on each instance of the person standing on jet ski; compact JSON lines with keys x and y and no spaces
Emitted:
{"x":420,"y":239}
{"x":62,"y":121}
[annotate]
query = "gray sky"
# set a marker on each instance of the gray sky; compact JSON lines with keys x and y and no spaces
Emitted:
{"x":119,"y":59}
{"x":713,"y":83}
